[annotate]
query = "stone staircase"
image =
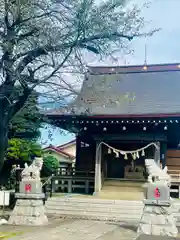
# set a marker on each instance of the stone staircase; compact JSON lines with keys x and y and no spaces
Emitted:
{"x":77,"y":207}
{"x":95,"y":209}
{"x":122,"y":190}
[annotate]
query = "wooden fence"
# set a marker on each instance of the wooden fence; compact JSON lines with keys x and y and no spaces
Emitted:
{"x":73,"y":172}
{"x":71,"y":184}
{"x":70,"y":181}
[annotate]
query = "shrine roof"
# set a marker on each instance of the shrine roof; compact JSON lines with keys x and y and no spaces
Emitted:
{"x":58,"y":150}
{"x":128,"y":91}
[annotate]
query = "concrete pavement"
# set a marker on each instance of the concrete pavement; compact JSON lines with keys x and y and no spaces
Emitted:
{"x":73,"y":230}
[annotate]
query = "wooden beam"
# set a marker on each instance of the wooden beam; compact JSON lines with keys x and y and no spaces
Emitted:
{"x":131,"y":137}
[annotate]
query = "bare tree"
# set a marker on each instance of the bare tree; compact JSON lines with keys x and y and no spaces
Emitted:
{"x":42,"y":41}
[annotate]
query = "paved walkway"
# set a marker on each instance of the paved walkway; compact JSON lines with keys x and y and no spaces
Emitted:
{"x":73,"y":230}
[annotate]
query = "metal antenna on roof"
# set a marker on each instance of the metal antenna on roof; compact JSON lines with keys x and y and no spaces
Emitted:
{"x":145,"y":54}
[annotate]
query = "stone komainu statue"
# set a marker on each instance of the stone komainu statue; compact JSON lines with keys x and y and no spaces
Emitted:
{"x":156,"y":173}
{"x":29,"y":208}
{"x":157,"y":217}
{"x":32,"y":172}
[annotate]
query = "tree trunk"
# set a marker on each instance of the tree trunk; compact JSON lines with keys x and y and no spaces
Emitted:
{"x":3,"y":139}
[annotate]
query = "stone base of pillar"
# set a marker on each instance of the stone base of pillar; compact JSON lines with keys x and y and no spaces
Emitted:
{"x":96,"y":193}
{"x":29,"y":210}
{"x":157,"y":220}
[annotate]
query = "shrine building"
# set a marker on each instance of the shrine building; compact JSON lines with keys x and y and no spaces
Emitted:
{"x":124,"y":115}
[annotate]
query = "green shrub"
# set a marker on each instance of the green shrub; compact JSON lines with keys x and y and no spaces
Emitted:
{"x":50,"y":166}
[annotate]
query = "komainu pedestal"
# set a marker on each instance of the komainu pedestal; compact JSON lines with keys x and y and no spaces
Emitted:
{"x":28,"y":211}
{"x":29,"y":208}
{"x":157,"y":220}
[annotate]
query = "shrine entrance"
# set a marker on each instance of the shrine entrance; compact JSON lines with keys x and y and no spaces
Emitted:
{"x":126,"y":164}
{"x":115,"y":168}
{"x":123,"y":171}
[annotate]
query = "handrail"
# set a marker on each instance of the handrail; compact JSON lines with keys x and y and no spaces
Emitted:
{"x":47,"y":180}
{"x":62,"y":171}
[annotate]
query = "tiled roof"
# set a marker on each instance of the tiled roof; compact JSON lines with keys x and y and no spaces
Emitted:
{"x":51,"y":147}
{"x":132,"y":90}
{"x":67,"y":144}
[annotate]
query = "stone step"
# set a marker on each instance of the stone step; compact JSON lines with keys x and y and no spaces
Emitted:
{"x":176,"y":203}
{"x":103,"y":202}
{"x":121,"y":192}
{"x":94,"y":201}
{"x":97,"y":205}
{"x":94,"y":216}
{"x":99,"y":218}
{"x":124,"y":195}
{"x":96,"y":209}
{"x":106,"y":217}
{"x":121,"y":189}
{"x":100,"y":209}
{"x":123,"y":183}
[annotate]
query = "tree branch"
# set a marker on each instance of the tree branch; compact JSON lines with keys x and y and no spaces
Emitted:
{"x":19,"y":21}
{"x":26,"y":35}
{"x":69,"y":88}
{"x":20,"y":103}
{"x":107,"y":35}
{"x":30,"y":56}
{"x":58,"y":67}
{"x":77,"y":43}
{"x":6,"y":20}
{"x":44,"y":50}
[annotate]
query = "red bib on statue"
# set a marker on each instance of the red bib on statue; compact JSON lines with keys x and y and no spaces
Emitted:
{"x":157,"y":193}
{"x":28,"y":188}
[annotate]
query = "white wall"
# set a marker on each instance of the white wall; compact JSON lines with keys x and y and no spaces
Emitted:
{"x":70,"y":149}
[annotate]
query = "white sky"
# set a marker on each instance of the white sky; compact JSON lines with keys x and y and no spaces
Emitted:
{"x":163,"y":47}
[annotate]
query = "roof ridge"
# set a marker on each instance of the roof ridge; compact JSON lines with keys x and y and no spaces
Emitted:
{"x":134,"y":68}
{"x":59,"y":150}
{"x":64,"y":144}
{"x":135,"y":65}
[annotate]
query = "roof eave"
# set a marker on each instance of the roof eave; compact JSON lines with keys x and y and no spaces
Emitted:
{"x":149,"y":115}
{"x":59,"y":152}
{"x":68,"y":144}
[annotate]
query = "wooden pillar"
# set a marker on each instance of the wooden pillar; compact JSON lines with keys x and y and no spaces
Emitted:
{"x":105,"y":168}
{"x":157,"y":154}
{"x":78,"y":152}
{"x":163,"y":153}
{"x":97,"y":184}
